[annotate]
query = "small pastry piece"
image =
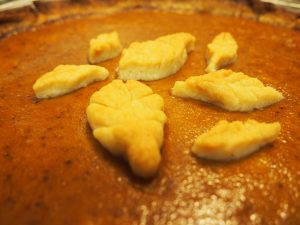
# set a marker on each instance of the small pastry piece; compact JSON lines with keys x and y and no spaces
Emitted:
{"x":234,"y":140}
{"x":221,"y":51}
{"x":153,"y":60}
{"x":229,"y":90}
{"x":67,"y":78}
{"x":128,"y":120}
{"x":103,"y":47}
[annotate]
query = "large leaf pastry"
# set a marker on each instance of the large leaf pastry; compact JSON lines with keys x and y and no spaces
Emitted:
{"x":128,"y":120}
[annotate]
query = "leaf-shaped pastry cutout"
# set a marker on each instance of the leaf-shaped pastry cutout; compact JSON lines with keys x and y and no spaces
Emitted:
{"x":128,"y":120}
{"x":230,"y":90}
{"x":105,"y":46}
{"x":156,"y":59}
{"x":233,"y":140}
{"x":67,"y":78}
{"x":221,"y":52}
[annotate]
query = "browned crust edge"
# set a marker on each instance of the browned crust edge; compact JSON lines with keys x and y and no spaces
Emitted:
{"x":39,"y":13}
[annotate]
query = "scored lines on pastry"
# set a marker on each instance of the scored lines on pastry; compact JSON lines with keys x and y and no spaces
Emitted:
{"x":128,"y":120}
{"x":67,"y":78}
{"x":105,"y":46}
{"x":234,"y":140}
{"x":220,"y":52}
{"x":155,"y":59}
{"x":233,"y":91}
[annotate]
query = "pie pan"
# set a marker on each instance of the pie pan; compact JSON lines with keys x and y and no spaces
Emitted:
{"x":52,"y":170}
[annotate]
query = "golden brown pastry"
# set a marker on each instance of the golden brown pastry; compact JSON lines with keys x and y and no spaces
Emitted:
{"x":67,"y":78}
{"x":233,"y":91}
{"x":105,"y":46}
{"x":153,"y":60}
{"x":221,"y":52}
{"x":128,"y":120}
{"x":234,"y":140}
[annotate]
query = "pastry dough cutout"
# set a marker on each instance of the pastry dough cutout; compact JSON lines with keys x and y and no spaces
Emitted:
{"x":234,"y":140}
{"x":156,"y":59}
{"x":103,"y":47}
{"x":128,"y":120}
{"x":67,"y":78}
{"x":221,"y":51}
{"x":233,"y":91}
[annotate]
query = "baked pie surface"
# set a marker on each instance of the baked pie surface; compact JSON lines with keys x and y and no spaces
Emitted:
{"x":54,"y":172}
